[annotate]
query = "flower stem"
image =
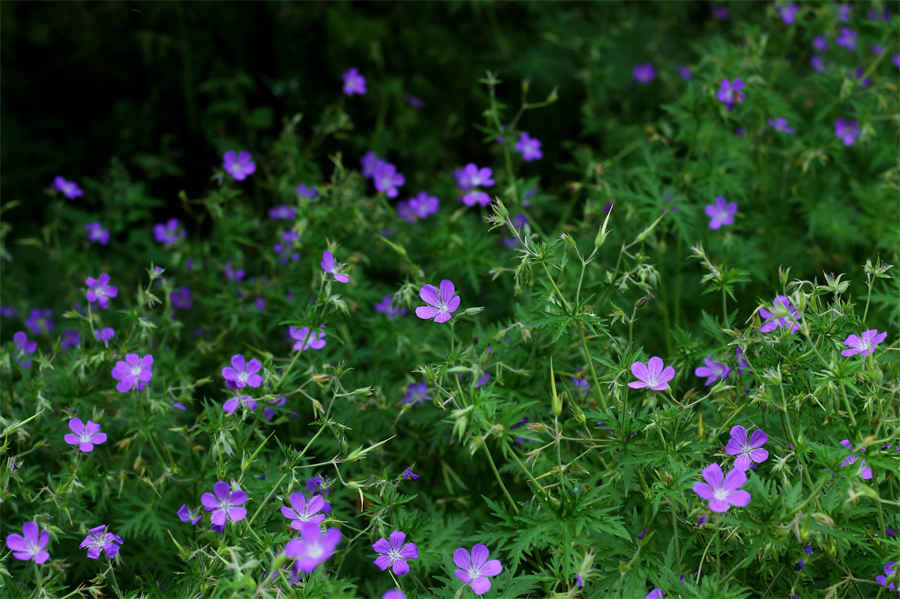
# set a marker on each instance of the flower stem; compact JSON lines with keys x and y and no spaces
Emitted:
{"x":499,"y":480}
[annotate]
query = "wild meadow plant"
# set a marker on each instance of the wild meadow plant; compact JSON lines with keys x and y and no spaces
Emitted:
{"x":484,"y":383}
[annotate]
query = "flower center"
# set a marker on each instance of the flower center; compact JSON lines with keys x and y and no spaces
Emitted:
{"x":315,"y":551}
{"x":394,"y":554}
{"x":720,"y":494}
{"x":242,"y":377}
{"x":135,"y":370}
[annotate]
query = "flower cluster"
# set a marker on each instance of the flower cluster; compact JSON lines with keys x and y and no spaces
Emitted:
{"x":419,"y":207}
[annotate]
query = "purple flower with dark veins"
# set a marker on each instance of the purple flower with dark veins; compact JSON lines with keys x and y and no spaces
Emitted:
{"x":847,"y":131}
{"x":67,"y":188}
{"x":722,"y":491}
{"x":96,"y":233}
{"x":713,"y":371}
{"x":394,"y":553}
{"x":225,"y":504}
{"x":85,"y":435}
{"x":730,"y":93}
{"x":239,"y":165}
{"x":746,"y":451}
{"x":30,"y":545}
{"x":100,"y":539}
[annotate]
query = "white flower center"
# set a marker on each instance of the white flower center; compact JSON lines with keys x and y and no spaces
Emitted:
{"x":720,"y":494}
{"x":136,"y":370}
{"x":315,"y":551}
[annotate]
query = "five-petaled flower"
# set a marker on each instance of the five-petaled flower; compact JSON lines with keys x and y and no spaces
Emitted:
{"x":529,"y":147}
{"x":847,"y":131}
{"x":242,"y":373}
{"x":282,"y":211}
{"x":780,"y":124}
{"x":133,"y":372}
{"x":847,"y":38}
{"x":393,"y":553}
{"x":186,"y":514}
{"x":25,"y":346}
{"x":652,"y":374}
{"x":30,"y":545}
{"x":313,"y":547}
{"x":440,"y":303}
{"x":104,"y":335}
{"x":788,"y":13}
{"x":782,"y":315}
{"x":730,"y":93}
{"x":713,"y":371}
{"x":722,"y":491}
{"x":643,"y":73}
{"x":99,"y":539}
{"x":238,"y":165}
{"x":721,"y":213}
{"x":329,"y":265}
{"x":225,"y":505}
{"x":306,"y":339}
{"x":67,"y":188}
{"x":305,"y":510}
{"x":387,"y":179}
{"x":99,"y":290}
{"x":354,"y":83}
{"x":863,"y":344}
{"x":747,"y":451}
{"x":168,"y":233}
{"x":416,"y":393}
{"x":307,"y":191}
{"x":96,"y":233}
{"x":85,"y":436}
{"x":474,"y":570}
{"x":39,"y":321}
{"x":386,"y":306}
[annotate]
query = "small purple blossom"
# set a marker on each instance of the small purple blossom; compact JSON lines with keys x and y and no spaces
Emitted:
{"x":475,"y":196}
{"x":529,"y":147}
{"x":655,"y":594}
{"x":471,"y":176}
{"x":369,"y":162}
{"x":780,"y":315}
{"x":239,"y":165}
{"x":67,"y":188}
{"x":307,"y":192}
{"x":181,"y":298}
{"x":134,"y":372}
{"x":863,"y":470}
{"x":314,"y":547}
{"x":393,"y":594}
{"x":863,"y":344}
{"x":232,"y":403}
{"x":99,"y":290}
{"x":328,"y":265}
{"x":847,"y":38}
{"x":482,"y":380}
{"x":818,"y":63}
{"x":780,"y":124}
{"x":39,"y":321}
{"x":788,"y":13}
{"x":720,"y":13}
{"x":185,"y":514}
{"x":305,"y":340}
{"x":741,"y":360}
{"x":643,"y":73}
{"x":475,"y":569}
{"x":85,"y":436}
{"x":30,"y":545}
{"x":819,"y":43}
{"x":387,"y":179}
{"x":877,"y":49}
{"x":96,"y":233}
{"x":70,"y":338}
{"x":844,"y":13}
{"x":746,"y":451}
{"x":416,"y":393}
{"x":847,"y":131}
{"x":100,"y":539}
{"x":225,"y":504}
{"x":168,"y":233}
{"x":104,"y":335}
{"x":720,"y":213}
{"x":730,"y":93}
{"x":863,"y":82}
{"x":581,"y":384}
{"x":722,"y":491}
{"x":685,"y":72}
{"x":653,"y":374}
{"x":394,"y":553}
{"x":441,"y":304}
{"x":891,"y":572}
{"x":354,"y":83}
{"x":282,"y":212}
{"x":424,"y":205}
{"x":713,"y":371}
{"x":232,"y":274}
{"x":242,"y":373}
{"x":303,"y":510}
{"x":386,"y":306}
{"x":896,"y":60}
{"x":409,"y":474}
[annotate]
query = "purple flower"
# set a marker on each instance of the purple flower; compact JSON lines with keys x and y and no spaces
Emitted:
{"x":652,"y":374}
{"x":187,"y":515}
{"x":99,"y":539}
{"x":85,"y":435}
{"x":386,"y":306}
{"x":581,"y":384}
{"x":409,"y":474}
{"x":307,"y":192}
{"x":329,"y":266}
{"x":471,"y":176}
{"x":780,"y":124}
{"x":134,"y":372}
{"x":847,"y":38}
{"x":393,"y":594}
{"x":232,"y":403}
{"x":305,"y":340}
{"x":168,"y":233}
{"x":240,"y":165}
{"x":655,"y":594}
{"x":234,"y":275}
{"x":225,"y":504}
{"x":643,"y":73}
{"x":476,"y":196}
{"x":181,"y":298}
{"x":67,"y":188}
{"x":844,"y":12}
{"x":720,"y":12}
{"x":741,"y":360}
{"x":313,"y":484}
{"x":863,"y":344}
{"x":721,"y":213}
{"x":30,"y":545}
{"x":482,"y":380}
{"x":369,"y":162}
{"x":730,"y":93}
{"x":416,"y":393}
{"x":713,"y":371}
{"x":97,"y":233}
{"x":890,"y":572}
{"x":780,"y":315}
{"x":99,"y":290}
{"x":788,"y":13}
{"x":7,"y":311}
{"x":808,"y":550}
{"x":863,"y":470}
{"x":859,"y":77}
{"x":39,"y":321}
{"x":745,"y":451}
{"x":440,"y":303}
{"x":394,"y":553}
{"x":305,"y":510}
{"x":70,"y":339}
{"x":476,"y":569}
{"x":818,"y":63}
{"x":819,"y":43}
{"x":387,"y":179}
{"x":282,"y":211}
{"x":529,"y":147}
{"x":354,"y":83}
{"x":896,"y":60}
{"x":313,"y":547}
{"x":684,"y":72}
{"x":104,"y":335}
{"x":722,"y":491}
{"x":877,"y":49}
{"x":241,"y":373}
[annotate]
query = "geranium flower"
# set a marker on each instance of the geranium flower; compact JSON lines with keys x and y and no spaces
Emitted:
{"x":25,"y":346}
{"x":313,"y":547}
{"x":474,"y":570}
{"x":394,"y":553}
{"x":239,"y":165}
{"x":745,"y":451}
{"x":652,"y":374}
{"x":134,"y":372}
{"x":354,"y":83}
{"x":99,"y":290}
{"x":780,"y":124}
{"x":730,"y":93}
{"x":85,"y":435}
{"x":440,"y":303}
{"x":722,"y":491}
{"x":305,"y":339}
{"x":529,"y":147}
{"x":30,"y":545}
{"x":328,"y":265}
{"x":232,"y":403}
{"x":168,"y":233}
{"x":847,"y":38}
{"x":97,"y":233}
{"x":643,"y":73}
{"x":386,"y":306}
{"x":67,"y":188}
{"x":387,"y":179}
{"x":713,"y":371}
{"x":863,"y":344}
{"x":104,"y":335}
{"x":305,"y":510}
{"x":781,"y":316}
{"x":225,"y":504}
{"x":721,"y":213}
{"x":242,"y":373}
{"x":99,"y":539}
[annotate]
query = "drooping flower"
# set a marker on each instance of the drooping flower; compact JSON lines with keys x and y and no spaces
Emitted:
{"x":713,"y":371}
{"x":741,"y":360}
{"x":104,"y":335}
{"x":232,"y":403}
{"x":474,"y":570}
{"x":308,"y":192}
{"x":96,"y":233}
{"x":168,"y":233}
{"x":721,"y":213}
{"x":847,"y":38}
{"x":25,"y":346}
{"x":39,"y":321}
{"x":67,"y":188}
{"x":747,"y":451}
{"x":238,"y":165}
{"x":225,"y":504}
{"x":242,"y":373}
{"x":328,"y":265}
{"x":863,"y":344}
{"x":134,"y":372}
{"x":313,"y":547}
{"x":394,"y":553}
{"x":780,"y":315}
{"x":305,"y":339}
{"x":722,"y":491}
{"x":643,"y":73}
{"x":185,"y":514}
{"x":30,"y":545}
{"x":99,"y":290}
{"x":386,"y":306}
{"x":652,"y":374}
{"x":529,"y":147}
{"x":99,"y":539}
{"x":440,"y":303}
{"x":354,"y":83}
{"x":282,"y":211}
{"x":85,"y":436}
{"x":780,"y":124}
{"x":416,"y":393}
{"x":387,"y":179}
{"x":730,"y":93}
{"x":305,"y":510}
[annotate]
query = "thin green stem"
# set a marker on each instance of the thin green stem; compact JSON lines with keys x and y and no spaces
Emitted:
{"x":500,"y":480}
